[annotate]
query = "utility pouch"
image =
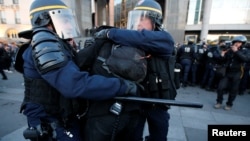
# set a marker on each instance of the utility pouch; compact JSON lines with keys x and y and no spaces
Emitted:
{"x":31,"y":133}
{"x":153,"y":82}
{"x":160,"y":78}
{"x":177,"y":73}
{"x":220,"y":70}
{"x":116,"y":108}
{"x":41,"y":133}
{"x":164,"y":81}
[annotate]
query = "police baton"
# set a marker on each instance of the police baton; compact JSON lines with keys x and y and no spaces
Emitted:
{"x":160,"y":101}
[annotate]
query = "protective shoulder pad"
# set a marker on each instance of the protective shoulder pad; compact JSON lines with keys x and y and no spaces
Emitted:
{"x":48,"y":53}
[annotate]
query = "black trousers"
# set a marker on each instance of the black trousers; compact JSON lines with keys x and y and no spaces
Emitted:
{"x":230,"y":83}
{"x":158,"y":124}
{"x":102,"y":128}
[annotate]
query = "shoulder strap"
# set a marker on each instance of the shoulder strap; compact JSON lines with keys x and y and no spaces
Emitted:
{"x":102,"y":53}
{"x":19,"y":59}
{"x":86,"y":57}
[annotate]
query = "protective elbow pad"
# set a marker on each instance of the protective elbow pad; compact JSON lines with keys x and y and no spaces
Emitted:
{"x":48,"y":53}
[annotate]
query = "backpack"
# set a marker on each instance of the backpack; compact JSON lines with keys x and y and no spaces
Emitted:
{"x":106,"y":58}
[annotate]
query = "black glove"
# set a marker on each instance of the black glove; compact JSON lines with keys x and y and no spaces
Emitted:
{"x":133,"y":89}
{"x":89,"y":42}
{"x":103,"y":34}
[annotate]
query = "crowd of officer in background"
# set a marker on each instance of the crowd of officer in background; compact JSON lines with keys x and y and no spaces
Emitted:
{"x":201,"y":64}
{"x":198,"y":61}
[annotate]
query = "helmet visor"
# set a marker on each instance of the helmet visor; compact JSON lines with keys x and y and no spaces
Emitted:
{"x":139,"y":19}
{"x":64,"y":23}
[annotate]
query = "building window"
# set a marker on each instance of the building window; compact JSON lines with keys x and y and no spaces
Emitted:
{"x":2,"y":17}
{"x":12,"y":33}
{"x":17,"y":17}
{"x":197,"y":12}
{"x":194,"y":12}
{"x":18,"y":21}
{"x":3,"y":21}
{"x":15,"y":1}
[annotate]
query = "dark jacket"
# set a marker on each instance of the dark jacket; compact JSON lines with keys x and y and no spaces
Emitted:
{"x":67,"y":80}
{"x":157,"y":43}
{"x":160,"y":45}
{"x":186,"y":52}
{"x":234,"y":60}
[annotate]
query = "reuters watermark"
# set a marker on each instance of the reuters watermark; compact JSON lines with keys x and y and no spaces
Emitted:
{"x":237,"y":132}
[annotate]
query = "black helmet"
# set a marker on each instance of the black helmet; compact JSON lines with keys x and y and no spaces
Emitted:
{"x":39,"y":15}
{"x":153,"y":11}
{"x":240,"y":38}
{"x":43,"y":12}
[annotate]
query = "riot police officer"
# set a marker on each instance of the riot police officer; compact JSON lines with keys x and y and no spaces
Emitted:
{"x":197,"y":68}
{"x":145,"y":32}
{"x":211,"y":60}
{"x":52,"y":79}
{"x":244,"y":83}
{"x":185,"y":56}
{"x":234,"y":59}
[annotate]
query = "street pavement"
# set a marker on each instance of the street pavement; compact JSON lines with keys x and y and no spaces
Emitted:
{"x":186,"y":124}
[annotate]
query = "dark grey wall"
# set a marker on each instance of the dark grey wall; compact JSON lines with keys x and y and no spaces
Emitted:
{"x":83,"y":12}
{"x":175,"y":18}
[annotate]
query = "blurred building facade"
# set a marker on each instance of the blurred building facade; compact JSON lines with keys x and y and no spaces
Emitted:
{"x":202,"y":20}
{"x":14,"y":17}
{"x":218,"y":19}
{"x":198,"y":19}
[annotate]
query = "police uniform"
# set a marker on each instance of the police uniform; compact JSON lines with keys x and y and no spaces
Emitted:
{"x":54,"y":85}
{"x":160,"y":45}
{"x":111,"y":120}
{"x":186,"y":57}
{"x":198,"y":66}
{"x":157,"y":115}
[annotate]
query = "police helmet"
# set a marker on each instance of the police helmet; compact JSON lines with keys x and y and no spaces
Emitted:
{"x":148,"y":8}
{"x":44,"y":12}
{"x":240,"y":38}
